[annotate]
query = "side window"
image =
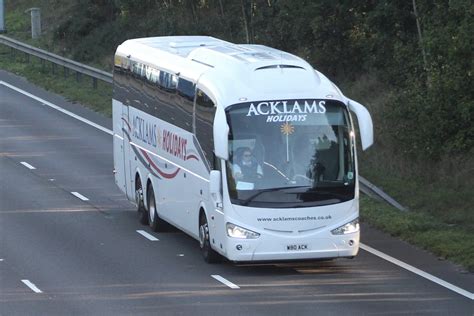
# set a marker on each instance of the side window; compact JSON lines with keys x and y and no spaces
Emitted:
{"x":204,"y":122}
{"x":203,"y":100}
{"x":167,"y":81}
{"x":154,"y":76}
{"x":184,"y":104}
{"x":186,"y":89}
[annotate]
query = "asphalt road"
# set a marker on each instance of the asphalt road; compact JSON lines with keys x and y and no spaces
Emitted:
{"x":61,"y":255}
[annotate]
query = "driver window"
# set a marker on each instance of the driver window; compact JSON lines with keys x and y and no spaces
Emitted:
{"x":246,"y":166}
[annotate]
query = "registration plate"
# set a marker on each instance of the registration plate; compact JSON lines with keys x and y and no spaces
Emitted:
{"x":297,"y":247}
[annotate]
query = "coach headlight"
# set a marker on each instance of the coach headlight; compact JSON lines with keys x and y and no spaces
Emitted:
{"x":349,"y":228}
{"x":239,"y":232}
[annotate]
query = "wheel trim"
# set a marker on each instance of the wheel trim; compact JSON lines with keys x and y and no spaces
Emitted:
{"x":203,"y":235}
{"x":139,"y":196}
{"x":152,"y":209}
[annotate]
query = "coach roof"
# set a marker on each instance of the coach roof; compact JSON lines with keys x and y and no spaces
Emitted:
{"x":266,"y":71}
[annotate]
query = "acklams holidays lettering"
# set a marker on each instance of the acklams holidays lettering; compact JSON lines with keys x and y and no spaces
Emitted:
{"x":287,"y":111}
{"x":144,"y":131}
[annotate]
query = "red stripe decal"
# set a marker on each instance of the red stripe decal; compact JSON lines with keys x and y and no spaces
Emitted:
{"x":191,"y":157}
{"x":164,"y":175}
{"x":129,"y":127}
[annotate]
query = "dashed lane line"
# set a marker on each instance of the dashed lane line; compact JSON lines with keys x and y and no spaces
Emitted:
{"x":27,"y":165}
{"x":79,"y":196}
{"x":225,"y":281}
{"x":147,"y":235}
{"x":32,"y":287}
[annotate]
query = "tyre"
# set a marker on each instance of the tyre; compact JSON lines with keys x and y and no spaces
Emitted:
{"x":154,"y":220}
{"x":141,"y":209}
{"x":209,"y":254}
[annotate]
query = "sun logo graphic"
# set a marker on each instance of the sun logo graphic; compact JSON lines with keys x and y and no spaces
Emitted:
{"x":287,"y":129}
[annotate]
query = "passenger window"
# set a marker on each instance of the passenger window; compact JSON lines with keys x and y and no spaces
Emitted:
{"x":204,"y":122}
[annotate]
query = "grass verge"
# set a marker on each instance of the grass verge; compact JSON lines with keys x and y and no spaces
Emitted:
{"x":447,"y":241}
{"x":65,"y":84}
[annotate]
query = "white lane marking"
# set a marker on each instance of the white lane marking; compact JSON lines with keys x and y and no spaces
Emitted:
{"x":147,"y":235}
{"x":58,"y":108}
{"x":80,"y":196}
{"x":27,"y":165}
{"x":417,"y":271}
{"x":226,"y":282}
{"x":31,"y":286}
{"x":1,"y":260}
{"x":375,"y":252}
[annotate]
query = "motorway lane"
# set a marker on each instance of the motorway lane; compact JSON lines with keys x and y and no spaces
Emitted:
{"x":88,"y":258}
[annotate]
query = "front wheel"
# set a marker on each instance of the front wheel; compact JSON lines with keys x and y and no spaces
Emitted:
{"x":209,"y":255}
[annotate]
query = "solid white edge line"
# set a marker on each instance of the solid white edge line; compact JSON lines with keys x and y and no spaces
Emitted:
{"x":80,"y":196}
{"x":362,"y":246}
{"x":27,"y":165}
{"x":147,"y":235}
{"x":224,"y":281}
{"x":417,"y":271}
{"x":31,"y":286}
{"x":60,"y":109}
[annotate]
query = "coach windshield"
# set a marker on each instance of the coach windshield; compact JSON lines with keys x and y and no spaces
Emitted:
{"x":290,"y":153}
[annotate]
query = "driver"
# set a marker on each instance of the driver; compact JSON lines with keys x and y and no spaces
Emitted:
{"x":246,"y":168}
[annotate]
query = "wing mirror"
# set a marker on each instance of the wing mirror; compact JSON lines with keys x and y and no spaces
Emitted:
{"x":364,"y":119}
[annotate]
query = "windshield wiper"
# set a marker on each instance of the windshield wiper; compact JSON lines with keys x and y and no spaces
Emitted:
{"x":253,"y":196}
{"x":331,"y":194}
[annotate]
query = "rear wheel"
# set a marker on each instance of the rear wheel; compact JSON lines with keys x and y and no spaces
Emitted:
{"x":154,"y":220}
{"x":142,"y":212}
{"x":209,"y":255}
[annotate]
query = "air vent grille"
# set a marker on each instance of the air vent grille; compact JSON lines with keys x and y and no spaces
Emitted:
{"x":279,"y":67}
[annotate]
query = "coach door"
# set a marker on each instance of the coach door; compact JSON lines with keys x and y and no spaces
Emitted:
{"x":121,"y":145}
{"x":126,"y":127}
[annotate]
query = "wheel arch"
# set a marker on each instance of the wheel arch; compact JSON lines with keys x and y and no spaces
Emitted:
{"x":138,"y":176}
{"x":202,"y":214}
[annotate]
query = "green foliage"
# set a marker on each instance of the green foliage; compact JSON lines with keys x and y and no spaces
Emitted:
{"x":433,"y":109}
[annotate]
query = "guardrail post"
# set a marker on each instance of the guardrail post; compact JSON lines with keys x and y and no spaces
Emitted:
{"x":65,"y":72}
{"x":2,"y":17}
{"x":43,"y":65}
{"x":53,"y":68}
{"x":12,"y":53}
{"x":78,"y":76}
{"x":94,"y":83}
{"x":35,"y":22}
{"x":27,"y":58}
